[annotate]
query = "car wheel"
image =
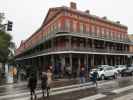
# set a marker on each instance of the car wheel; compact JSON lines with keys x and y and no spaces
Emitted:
{"x":102,"y":77}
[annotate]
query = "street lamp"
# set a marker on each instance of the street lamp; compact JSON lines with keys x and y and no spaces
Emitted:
{"x":129,"y":60}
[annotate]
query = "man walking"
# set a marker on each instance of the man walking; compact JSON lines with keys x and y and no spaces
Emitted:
{"x":44,"y":82}
{"x":32,"y":85}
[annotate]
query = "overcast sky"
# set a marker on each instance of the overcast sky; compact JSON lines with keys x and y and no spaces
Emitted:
{"x":28,"y":15}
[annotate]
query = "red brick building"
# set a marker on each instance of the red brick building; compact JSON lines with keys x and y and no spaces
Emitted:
{"x":69,"y":37}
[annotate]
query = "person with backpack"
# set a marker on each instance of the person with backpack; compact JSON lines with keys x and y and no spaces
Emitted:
{"x":94,"y":77}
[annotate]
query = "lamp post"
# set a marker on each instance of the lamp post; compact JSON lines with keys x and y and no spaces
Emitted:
{"x":129,"y":60}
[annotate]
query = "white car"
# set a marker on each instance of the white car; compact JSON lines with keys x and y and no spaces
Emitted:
{"x":120,"y":68}
{"x":105,"y":72}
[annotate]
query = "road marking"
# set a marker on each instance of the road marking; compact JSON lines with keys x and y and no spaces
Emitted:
{"x":122,"y":89}
{"x":125,"y":97}
{"x":94,"y":97}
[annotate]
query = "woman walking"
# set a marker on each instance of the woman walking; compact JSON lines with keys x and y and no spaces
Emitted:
{"x":49,"y":81}
{"x":82,"y":75}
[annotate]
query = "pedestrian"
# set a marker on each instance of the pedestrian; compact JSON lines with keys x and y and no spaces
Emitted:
{"x":82,"y":75}
{"x":49,"y":81}
{"x":44,"y":82}
{"x":32,"y":85}
{"x":94,"y":77}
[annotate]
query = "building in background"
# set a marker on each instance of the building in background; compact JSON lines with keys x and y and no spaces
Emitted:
{"x":72,"y":38}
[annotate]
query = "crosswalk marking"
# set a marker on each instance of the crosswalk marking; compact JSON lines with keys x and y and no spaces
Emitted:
{"x":55,"y":91}
{"x":67,"y":89}
{"x":52,"y":93}
{"x":125,"y":97}
{"x":122,"y":89}
{"x":94,"y":97}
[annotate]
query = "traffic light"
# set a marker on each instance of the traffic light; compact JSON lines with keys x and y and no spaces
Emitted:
{"x":9,"y":26}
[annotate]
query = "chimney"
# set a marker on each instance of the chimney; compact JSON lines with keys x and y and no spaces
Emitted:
{"x":105,"y":17}
{"x":118,"y":22}
{"x":87,"y":11}
{"x":73,"y":5}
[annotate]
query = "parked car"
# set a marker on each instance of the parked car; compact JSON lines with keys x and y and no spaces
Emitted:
{"x":127,"y":71}
{"x":105,"y":72}
{"x":119,"y":68}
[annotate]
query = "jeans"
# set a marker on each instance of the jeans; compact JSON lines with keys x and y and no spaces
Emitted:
{"x":82,"y":79}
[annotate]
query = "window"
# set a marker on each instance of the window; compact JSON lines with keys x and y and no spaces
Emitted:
{"x":55,"y":27}
{"x":106,"y":33}
{"x":121,"y":36}
{"x":115,"y":36}
{"x":59,"y":25}
{"x":118,"y":35}
{"x":81,"y":27}
{"x":65,"y":13}
{"x":92,"y":29}
{"x":102,"y":31}
{"x":87,"y":28}
{"x":51,"y":28}
{"x":74,"y":26}
{"x":67,"y":25}
{"x":98,"y":31}
{"x":111,"y":35}
{"x":84,"y":28}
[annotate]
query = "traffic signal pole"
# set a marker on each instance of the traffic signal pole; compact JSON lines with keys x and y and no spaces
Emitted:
{"x":9,"y":26}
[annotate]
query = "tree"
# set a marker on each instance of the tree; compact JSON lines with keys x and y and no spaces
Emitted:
{"x":5,"y":42}
{"x":7,"y":47}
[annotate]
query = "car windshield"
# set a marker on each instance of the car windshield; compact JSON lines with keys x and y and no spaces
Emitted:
{"x":116,"y":66}
{"x":100,"y":69}
{"x":94,"y":69}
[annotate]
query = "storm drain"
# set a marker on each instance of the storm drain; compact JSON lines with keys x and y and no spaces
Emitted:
{"x":109,"y":93}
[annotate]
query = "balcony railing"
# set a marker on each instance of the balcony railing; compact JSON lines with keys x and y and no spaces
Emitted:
{"x":74,"y":50}
{"x":53,"y":34}
{"x":84,"y":49}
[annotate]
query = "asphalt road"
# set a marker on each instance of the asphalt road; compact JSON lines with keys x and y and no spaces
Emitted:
{"x":119,"y":89}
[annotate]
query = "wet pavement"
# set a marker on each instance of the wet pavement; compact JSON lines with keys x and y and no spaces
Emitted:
{"x":64,"y":90}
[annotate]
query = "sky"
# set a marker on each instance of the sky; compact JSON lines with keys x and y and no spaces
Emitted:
{"x":28,"y":15}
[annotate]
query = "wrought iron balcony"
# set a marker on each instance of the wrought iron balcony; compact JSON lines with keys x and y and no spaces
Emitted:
{"x":75,"y":50}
